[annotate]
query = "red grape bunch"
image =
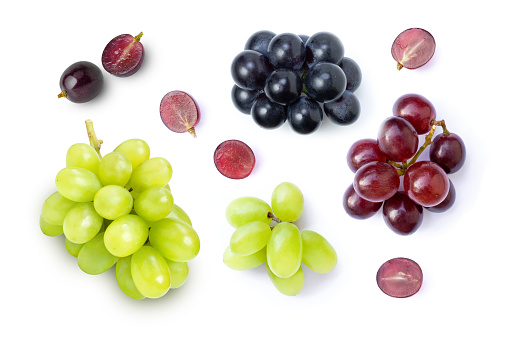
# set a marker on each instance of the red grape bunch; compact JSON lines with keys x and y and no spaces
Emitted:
{"x":378,"y":165}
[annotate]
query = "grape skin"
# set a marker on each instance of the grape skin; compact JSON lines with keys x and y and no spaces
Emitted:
{"x":284,"y":250}
{"x":376,"y":181}
{"x":426,"y":183}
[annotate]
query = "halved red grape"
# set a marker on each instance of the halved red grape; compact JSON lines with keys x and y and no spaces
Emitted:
{"x":413,"y":48}
{"x":426,"y":183}
{"x":362,"y":152}
{"x":81,"y":82}
{"x":397,"y":139}
{"x":359,"y":208}
{"x":399,"y":277}
{"x":448,"y":151}
{"x":234,"y":159}
{"x":179,"y":112}
{"x":415,"y":109}
{"x":401,"y":214}
{"x":376,"y":181}
{"x":123,"y":55}
{"x":447,"y":202}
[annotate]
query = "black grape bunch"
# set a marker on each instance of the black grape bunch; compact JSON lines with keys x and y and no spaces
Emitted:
{"x":296,"y":78}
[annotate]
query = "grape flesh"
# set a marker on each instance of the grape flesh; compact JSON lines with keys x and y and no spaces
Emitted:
{"x":250,"y":238}
{"x":287,"y":50}
{"x":125,"y":235}
{"x":234,"y":159}
{"x":413,"y":48}
{"x":399,"y":277}
{"x":352,"y":72}
{"x":448,"y":151}
{"x":397,"y":139}
{"x":362,"y":152}
{"x":287,"y":202}
{"x":244,"y":210}
{"x":290,"y":286}
{"x":267,"y":113}
{"x":243,"y":99}
{"x":415,"y":109}
{"x":259,"y":42}
{"x":284,"y":250}
{"x":123,"y":55}
{"x":324,"y":47}
{"x":244,"y":262}
{"x":317,"y":253}
{"x":81,"y":82}
{"x":426,"y":183}
{"x":401,"y":214}
{"x":179,"y":112}
{"x":376,"y":181}
{"x":174,"y":239}
{"x":325,"y":82}
{"x":357,"y":207}
{"x":343,"y":111}
{"x":250,"y":70}
{"x":305,"y":115}
{"x":150,"y":272}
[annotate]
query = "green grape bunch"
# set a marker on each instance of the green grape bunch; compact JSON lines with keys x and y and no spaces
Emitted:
{"x":118,"y":210}
{"x":267,"y":234}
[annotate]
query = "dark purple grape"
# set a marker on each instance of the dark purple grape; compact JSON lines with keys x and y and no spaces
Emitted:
{"x":283,"y":86}
{"x":401,"y":214}
{"x":324,"y":47}
{"x":448,"y":151}
{"x":426,"y":183}
{"x":362,"y":152}
{"x":304,"y":38}
{"x":259,"y":42}
{"x":399,"y":277}
{"x":123,"y":55}
{"x":250,"y":70}
{"x":268,"y":114}
{"x":352,"y":72}
{"x":415,"y":109}
{"x":81,"y":82}
{"x":376,"y":181}
{"x":397,"y":139}
{"x":305,"y":115}
{"x":343,"y":111}
{"x":447,"y":202}
{"x":243,"y":98}
{"x":287,"y":50}
{"x":359,"y":208}
{"x":325,"y":82}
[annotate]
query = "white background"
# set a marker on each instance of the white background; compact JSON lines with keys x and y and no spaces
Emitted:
{"x":189,"y":46}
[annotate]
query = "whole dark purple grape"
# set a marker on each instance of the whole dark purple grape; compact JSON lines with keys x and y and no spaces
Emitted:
{"x":287,"y":51}
{"x":268,"y":114}
{"x":81,"y":82}
{"x":353,"y":73}
{"x":259,"y":42}
{"x":324,"y":47}
{"x":305,"y":115}
{"x":343,"y":111}
{"x":325,"y":82}
{"x":283,"y":86}
{"x":243,"y":98}
{"x":250,"y":70}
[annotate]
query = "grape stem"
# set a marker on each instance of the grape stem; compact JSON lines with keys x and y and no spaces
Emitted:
{"x":94,"y":142}
{"x":274,"y":218}
{"x":138,"y":37}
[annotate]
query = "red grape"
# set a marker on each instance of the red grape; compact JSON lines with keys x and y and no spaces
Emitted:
{"x":413,"y":48}
{"x":426,"y":183}
{"x":376,"y":181}
{"x":123,"y":55}
{"x":448,"y":151}
{"x":81,"y":82}
{"x":179,"y":112}
{"x":448,"y":201}
{"x":359,"y":208}
{"x":397,"y":139}
{"x":399,"y":277}
{"x":401,"y":214}
{"x":234,"y":159}
{"x":417,"y":110}
{"x":362,"y":152}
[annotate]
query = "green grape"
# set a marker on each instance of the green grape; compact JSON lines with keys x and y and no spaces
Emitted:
{"x":136,"y":150}
{"x":246,"y":209}
{"x":112,"y":202}
{"x":154,"y":203}
{"x":126,"y":235}
{"x":317,"y":253}
{"x":125,"y":279}
{"x":94,"y":258}
{"x":82,"y":223}
{"x":178,"y":213}
{"x":150,"y":272}
{"x":55,"y":208}
{"x":115,"y":168}
{"x":150,"y":173}
{"x":290,"y":286}
{"x":287,"y":202}
{"x":244,"y":262}
{"x":178,"y":273}
{"x":250,"y":238}
{"x":77,"y":184}
{"x":82,"y":156}
{"x":284,"y":250}
{"x":175,"y":239}
{"x":72,"y":248}
{"x":49,"y":229}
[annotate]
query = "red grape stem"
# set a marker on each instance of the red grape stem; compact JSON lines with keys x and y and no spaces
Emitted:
{"x":94,"y":142}
{"x":138,"y":37}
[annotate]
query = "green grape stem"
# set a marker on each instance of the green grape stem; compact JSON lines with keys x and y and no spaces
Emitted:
{"x":138,"y":37}
{"x":94,"y":142}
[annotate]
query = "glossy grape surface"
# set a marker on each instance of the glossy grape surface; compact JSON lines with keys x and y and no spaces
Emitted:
{"x":290,"y":286}
{"x":397,"y":139}
{"x":415,"y":109}
{"x":283,"y":86}
{"x":81,"y":82}
{"x":174,"y":239}
{"x":287,"y":202}
{"x":447,"y":202}
{"x":401,"y":214}
{"x":317,"y":253}
{"x":325,"y":82}
{"x":136,"y":150}
{"x":352,"y":72}
{"x":150,"y":272}
{"x":343,"y":111}
{"x":250,"y":70}
{"x":305,"y":115}
{"x":259,"y":42}
{"x":244,"y":210}
{"x":83,"y":156}
{"x":243,"y":99}
{"x":284,"y":250}
{"x":413,"y":48}
{"x":244,"y":262}
{"x":448,"y":151}
{"x":357,"y":207}
{"x":287,"y":50}
{"x":362,"y":152}
{"x":426,"y":183}
{"x":324,"y":47}
{"x":376,"y":181}
{"x":399,"y":277}
{"x":234,"y":159}
{"x":267,"y":113}
{"x":250,"y":238}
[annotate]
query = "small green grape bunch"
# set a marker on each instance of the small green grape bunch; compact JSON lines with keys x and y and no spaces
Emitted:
{"x":118,"y":210}
{"x":267,"y":234}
